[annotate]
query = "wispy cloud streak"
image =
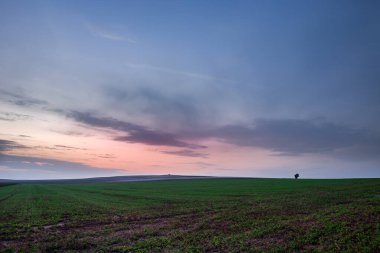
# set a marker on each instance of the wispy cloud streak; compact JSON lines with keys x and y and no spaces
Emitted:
{"x":186,"y":152}
{"x":96,"y":31}
{"x":177,"y":72}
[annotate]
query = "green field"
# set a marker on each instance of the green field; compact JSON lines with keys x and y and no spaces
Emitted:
{"x":207,"y":215}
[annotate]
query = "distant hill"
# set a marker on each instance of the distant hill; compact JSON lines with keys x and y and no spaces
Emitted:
{"x":103,"y":179}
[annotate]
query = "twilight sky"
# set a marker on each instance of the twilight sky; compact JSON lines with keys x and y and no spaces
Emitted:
{"x":224,"y":88}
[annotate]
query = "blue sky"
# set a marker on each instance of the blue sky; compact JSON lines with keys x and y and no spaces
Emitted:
{"x":240,"y":88}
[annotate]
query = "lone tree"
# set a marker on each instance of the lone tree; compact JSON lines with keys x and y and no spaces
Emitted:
{"x":296,"y":176}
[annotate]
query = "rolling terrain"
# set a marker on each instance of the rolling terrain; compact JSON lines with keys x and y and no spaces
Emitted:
{"x":116,"y":179}
{"x":197,"y":215}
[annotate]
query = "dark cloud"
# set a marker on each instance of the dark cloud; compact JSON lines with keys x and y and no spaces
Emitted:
{"x":136,"y":133}
{"x":186,"y":152}
{"x":68,"y":147}
{"x":294,"y":137}
{"x":104,"y":122}
{"x":24,"y":136}
{"x":281,"y":136}
{"x":21,"y":100}
{"x":6,"y":145}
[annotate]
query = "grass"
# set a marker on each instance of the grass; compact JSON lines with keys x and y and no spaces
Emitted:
{"x":208,"y":215}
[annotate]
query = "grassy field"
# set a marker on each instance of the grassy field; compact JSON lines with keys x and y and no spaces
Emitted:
{"x":208,"y":215}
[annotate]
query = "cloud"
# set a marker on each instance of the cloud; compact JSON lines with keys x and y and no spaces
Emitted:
{"x":6,"y":145}
{"x":186,"y":152}
{"x":24,"y":136}
{"x":285,"y":137}
{"x":20,"y":100}
{"x":72,"y":133}
{"x":11,"y":116}
{"x":106,"y":156}
{"x":156,"y":139}
{"x":202,"y":164}
{"x":58,"y":148}
{"x":37,"y":163}
{"x":135,"y":133}
{"x":96,"y":31}
{"x":177,"y":72}
{"x":64,"y":147}
{"x":289,"y":137}
{"x":295,"y":137}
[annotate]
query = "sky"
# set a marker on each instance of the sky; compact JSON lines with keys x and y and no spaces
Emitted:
{"x":220,"y":88}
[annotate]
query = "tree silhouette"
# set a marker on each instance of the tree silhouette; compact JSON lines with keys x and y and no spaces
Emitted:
{"x":296,"y":176}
